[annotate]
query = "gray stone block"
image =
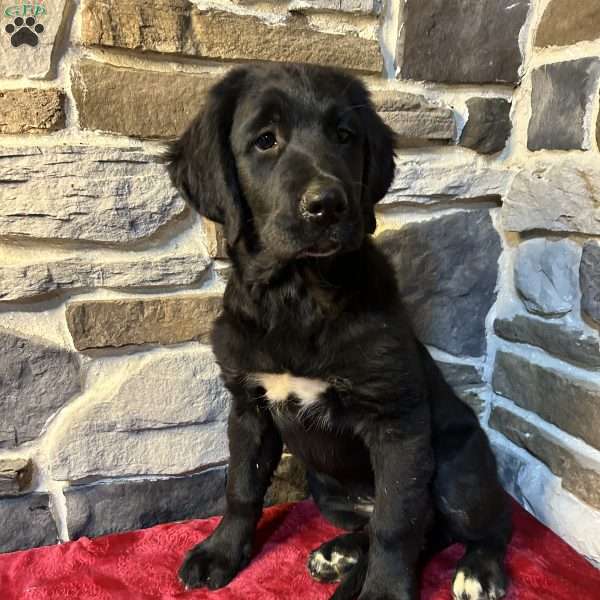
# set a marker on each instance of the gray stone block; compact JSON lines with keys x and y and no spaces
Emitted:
{"x":98,"y":194}
{"x":26,"y":523}
{"x":82,"y":270}
{"x":115,"y":506}
{"x":446,"y":270}
{"x":416,"y":121}
{"x":563,"y":197}
{"x":426,"y":179}
{"x":590,"y":281}
{"x":36,"y":380}
{"x":560,"y":339}
{"x":39,"y":61}
{"x":578,"y":476}
{"x":570,"y":403}
{"x":164,"y":413}
{"x":460,"y":374}
{"x":546,"y":275}
{"x":560,"y":97}
{"x":488,"y":127}
{"x":463,"y":41}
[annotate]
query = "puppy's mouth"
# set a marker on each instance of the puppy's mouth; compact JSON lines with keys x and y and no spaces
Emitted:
{"x":321,"y":250}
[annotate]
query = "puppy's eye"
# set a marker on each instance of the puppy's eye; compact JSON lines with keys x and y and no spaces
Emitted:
{"x":265,"y":141}
{"x":344,"y":135}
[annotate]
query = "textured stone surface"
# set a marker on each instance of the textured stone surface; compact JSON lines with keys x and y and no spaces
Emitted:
{"x":104,"y":195}
{"x":26,"y":523}
{"x":178,"y":27}
{"x":365,"y":7}
{"x":537,"y":488}
{"x":546,"y":275}
{"x":15,"y":475}
{"x":474,"y":398}
{"x":488,"y":127}
{"x":135,"y":102}
{"x":563,"y":462}
{"x":598,"y":131}
{"x":564,"y":197}
{"x":565,"y":23}
{"x":446,"y":269}
{"x":459,"y":374}
{"x":114,"y":506}
{"x":590,"y":281}
{"x":164,"y":414}
{"x":560,"y":339}
{"x":416,"y":121}
{"x":215,"y":239}
{"x":33,"y":279}
{"x":116,"y":323}
{"x":36,"y":58}
{"x":435,"y":179}
{"x":560,"y":97}
{"x":289,"y":482}
{"x":31,"y":111}
{"x":36,"y":379}
{"x":569,"y":403}
{"x":463,"y":41}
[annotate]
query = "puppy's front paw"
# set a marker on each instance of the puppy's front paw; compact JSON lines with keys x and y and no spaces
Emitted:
{"x":467,"y":585}
{"x":208,"y":565}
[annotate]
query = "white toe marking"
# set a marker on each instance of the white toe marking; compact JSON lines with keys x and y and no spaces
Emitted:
{"x":466,"y":588}
{"x":317,"y":561}
{"x":337,"y":558}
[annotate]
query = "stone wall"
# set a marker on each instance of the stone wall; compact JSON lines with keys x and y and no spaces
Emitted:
{"x":112,"y":415}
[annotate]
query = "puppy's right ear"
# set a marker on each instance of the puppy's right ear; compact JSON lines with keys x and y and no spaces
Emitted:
{"x":201,"y":163}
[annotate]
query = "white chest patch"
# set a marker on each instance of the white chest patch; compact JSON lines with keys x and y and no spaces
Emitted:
{"x":280,"y":386}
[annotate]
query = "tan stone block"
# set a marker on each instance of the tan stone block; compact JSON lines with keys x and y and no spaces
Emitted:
{"x":565,"y":23}
{"x":31,"y":110}
{"x":216,"y":241}
{"x":139,"y":103}
{"x":179,"y":27}
{"x":15,"y":475}
{"x":579,"y":479}
{"x":99,"y":324}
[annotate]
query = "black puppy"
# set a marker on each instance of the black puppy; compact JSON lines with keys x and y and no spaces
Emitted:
{"x":316,"y":350}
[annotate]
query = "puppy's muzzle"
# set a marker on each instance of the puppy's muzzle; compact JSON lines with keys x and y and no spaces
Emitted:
{"x":324,"y":206}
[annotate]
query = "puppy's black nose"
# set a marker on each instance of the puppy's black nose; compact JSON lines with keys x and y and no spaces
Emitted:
{"x":325,"y":206}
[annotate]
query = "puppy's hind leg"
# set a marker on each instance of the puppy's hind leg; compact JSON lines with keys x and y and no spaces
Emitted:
{"x":476,"y":512}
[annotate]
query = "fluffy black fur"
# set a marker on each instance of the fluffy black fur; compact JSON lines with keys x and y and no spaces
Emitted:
{"x":292,"y":159}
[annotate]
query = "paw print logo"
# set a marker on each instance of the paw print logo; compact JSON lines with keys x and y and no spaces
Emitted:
{"x":24,"y":32}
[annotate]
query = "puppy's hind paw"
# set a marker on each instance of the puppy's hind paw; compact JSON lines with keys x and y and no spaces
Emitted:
{"x":329,"y":566}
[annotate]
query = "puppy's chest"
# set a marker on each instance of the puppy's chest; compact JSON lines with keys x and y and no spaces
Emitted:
{"x":287,"y":390}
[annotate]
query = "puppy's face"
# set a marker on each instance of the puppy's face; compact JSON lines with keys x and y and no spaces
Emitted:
{"x":291,"y":158}
{"x":300,"y":156}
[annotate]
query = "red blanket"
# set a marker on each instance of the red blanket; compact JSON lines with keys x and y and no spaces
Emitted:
{"x":143,"y":564}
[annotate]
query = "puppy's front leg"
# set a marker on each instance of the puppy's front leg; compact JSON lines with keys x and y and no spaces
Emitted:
{"x":402,"y":462}
{"x":254,"y":452}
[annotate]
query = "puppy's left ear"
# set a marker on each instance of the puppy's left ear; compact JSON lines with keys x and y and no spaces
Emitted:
{"x":379,"y":165}
{"x":201,"y":162}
